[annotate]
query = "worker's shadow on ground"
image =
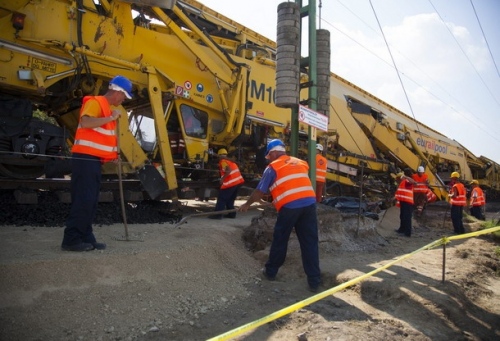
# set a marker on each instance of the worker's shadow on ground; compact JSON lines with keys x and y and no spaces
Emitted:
{"x":452,"y":313}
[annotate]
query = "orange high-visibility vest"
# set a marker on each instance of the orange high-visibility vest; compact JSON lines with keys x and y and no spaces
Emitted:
{"x":480,"y":200}
{"x":321,"y":164}
{"x":460,"y":199}
{"x":234,"y":177}
{"x":405,"y":193}
{"x":292,"y":181}
{"x":431,"y":196}
{"x":100,"y":141}
{"x":421,"y":186}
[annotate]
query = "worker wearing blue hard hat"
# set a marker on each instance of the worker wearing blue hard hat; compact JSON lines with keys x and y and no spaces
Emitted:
{"x":275,"y":145}
{"x":95,"y":143}
{"x":287,"y":179}
{"x":121,"y":84}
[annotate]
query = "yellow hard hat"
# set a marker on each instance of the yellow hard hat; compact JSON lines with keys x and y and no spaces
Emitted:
{"x":455,"y":175}
{"x":474,"y":182}
{"x":222,"y":151}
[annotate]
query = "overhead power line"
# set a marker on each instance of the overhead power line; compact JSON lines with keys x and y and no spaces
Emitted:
{"x":396,"y":67}
{"x":484,"y":36}
{"x":474,"y":120}
{"x":465,"y":54}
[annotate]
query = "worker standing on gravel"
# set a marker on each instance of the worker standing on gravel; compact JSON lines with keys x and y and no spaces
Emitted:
{"x":95,"y":143}
{"x":286,"y":178}
{"x":230,"y":181}
{"x":458,"y":200}
{"x":477,"y":201}
{"x":404,"y":197}
{"x":321,"y":164}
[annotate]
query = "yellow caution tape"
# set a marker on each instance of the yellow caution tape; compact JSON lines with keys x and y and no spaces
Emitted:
{"x":294,"y":307}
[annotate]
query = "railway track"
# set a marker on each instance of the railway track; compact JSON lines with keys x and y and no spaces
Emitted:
{"x":27,"y":191}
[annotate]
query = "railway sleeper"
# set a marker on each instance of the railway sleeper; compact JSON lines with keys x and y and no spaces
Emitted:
{"x":30,"y":196}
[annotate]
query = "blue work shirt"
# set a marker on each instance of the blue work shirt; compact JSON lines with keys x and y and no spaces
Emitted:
{"x":268,"y":178}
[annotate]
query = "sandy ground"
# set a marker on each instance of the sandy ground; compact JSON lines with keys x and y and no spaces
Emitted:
{"x":203,"y":279}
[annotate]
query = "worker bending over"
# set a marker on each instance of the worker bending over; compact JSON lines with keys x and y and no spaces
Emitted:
{"x":287,"y":179}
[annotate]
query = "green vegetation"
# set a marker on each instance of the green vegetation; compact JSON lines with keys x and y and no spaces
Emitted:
{"x":489,"y":224}
{"x":42,"y":115}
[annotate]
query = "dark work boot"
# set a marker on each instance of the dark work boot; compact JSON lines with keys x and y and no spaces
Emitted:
{"x":266,"y":276}
{"x":99,"y":246}
{"x":78,"y":247}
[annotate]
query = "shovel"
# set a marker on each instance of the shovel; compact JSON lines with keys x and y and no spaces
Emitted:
{"x":204,"y":214}
{"x":120,"y":185}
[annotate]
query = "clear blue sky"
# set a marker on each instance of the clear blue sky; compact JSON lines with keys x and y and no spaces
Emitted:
{"x":447,"y":69}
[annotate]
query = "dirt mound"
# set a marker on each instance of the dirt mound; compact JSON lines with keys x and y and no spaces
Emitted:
{"x":337,"y":231}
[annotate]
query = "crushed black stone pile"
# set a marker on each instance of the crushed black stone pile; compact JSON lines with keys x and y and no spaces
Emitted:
{"x":50,"y":212}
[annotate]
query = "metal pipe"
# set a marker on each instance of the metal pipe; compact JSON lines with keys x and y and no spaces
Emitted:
{"x":32,"y":52}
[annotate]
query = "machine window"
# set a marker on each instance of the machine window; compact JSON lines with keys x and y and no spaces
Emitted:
{"x":195,"y":121}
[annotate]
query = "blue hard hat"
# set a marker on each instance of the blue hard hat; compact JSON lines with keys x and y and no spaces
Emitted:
{"x":275,"y":144}
{"x":120,"y":83}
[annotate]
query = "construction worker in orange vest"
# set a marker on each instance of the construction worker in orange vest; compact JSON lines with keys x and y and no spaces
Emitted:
{"x":420,"y":189}
{"x":404,"y":197}
{"x":230,"y":181}
{"x":294,"y":198}
{"x":458,"y":201}
{"x":321,"y":164}
{"x":95,"y":143}
{"x":477,"y":201}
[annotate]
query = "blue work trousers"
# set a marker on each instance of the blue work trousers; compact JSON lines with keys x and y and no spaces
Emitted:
{"x":456,"y":219}
{"x":405,"y":214}
{"x":85,"y":186}
{"x":305,"y":221}
{"x":477,"y":211}
{"x":226,"y":198}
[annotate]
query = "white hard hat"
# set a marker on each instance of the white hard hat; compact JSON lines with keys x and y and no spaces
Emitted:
{"x":420,"y":169}
{"x":319,"y":147}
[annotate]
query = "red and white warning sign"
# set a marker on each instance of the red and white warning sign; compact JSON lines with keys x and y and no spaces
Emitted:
{"x":188,"y":85}
{"x":179,"y":90}
{"x":302,"y":116}
{"x":313,"y":118}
